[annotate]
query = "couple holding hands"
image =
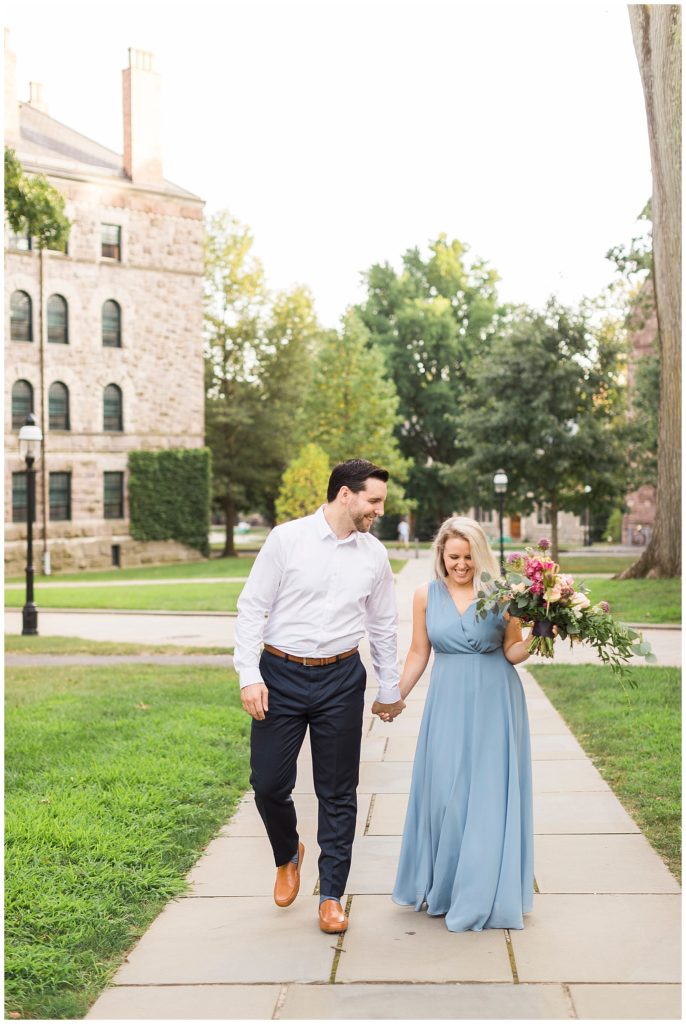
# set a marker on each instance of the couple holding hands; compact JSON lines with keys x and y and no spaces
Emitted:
{"x":316,"y":586}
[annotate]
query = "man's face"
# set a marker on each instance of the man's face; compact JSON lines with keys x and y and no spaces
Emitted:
{"x":367,"y":504}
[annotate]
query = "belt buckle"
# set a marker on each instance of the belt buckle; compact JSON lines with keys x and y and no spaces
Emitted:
{"x":307,"y":662}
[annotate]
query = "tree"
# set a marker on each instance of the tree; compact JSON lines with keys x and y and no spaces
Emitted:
{"x":258,"y":362}
{"x":351,"y":408}
{"x":35,"y":208}
{"x":293,"y":336}
{"x":304,"y":484}
{"x":656,"y":31}
{"x":546,"y":405}
{"x":235,"y":349}
{"x":429,"y":321}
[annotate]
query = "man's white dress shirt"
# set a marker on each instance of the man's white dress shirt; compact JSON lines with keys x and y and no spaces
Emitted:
{"x":312,"y":595}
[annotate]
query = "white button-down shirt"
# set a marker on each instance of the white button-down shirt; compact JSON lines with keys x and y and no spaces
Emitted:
{"x":312,"y":595}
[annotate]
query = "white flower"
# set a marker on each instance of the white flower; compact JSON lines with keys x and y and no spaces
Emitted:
{"x":519,"y":588}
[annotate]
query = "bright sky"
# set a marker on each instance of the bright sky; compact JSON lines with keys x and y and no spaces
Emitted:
{"x":344,"y":132}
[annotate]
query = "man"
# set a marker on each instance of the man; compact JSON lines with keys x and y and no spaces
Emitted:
{"x":315,"y":585}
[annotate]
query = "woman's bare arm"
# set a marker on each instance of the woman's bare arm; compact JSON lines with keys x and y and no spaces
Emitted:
{"x":420,"y":648}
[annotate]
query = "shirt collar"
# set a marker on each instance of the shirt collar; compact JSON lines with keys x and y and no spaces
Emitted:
{"x":324,"y":530}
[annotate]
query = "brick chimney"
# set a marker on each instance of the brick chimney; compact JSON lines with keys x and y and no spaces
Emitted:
{"x":11,"y":103}
{"x":37,"y":97}
{"x":142,"y":142}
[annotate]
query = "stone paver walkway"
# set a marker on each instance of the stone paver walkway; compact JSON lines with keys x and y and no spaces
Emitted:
{"x":603,"y":941}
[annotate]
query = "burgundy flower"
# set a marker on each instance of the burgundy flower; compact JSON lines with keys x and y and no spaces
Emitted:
{"x":544,"y":543}
{"x":604,"y":605}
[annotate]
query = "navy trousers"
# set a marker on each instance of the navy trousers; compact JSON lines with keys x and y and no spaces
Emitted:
{"x":330,"y":700}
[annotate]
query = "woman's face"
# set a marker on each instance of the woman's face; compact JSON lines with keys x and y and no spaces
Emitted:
{"x":457,"y":559}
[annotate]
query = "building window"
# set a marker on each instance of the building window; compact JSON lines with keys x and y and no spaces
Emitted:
{"x":110,"y":241}
{"x":22,"y":403}
{"x":18,"y":497}
{"x":58,"y":406}
{"x":111,"y":324}
{"x":543,"y":515}
{"x":113,"y":416}
{"x":20,"y":243}
{"x":484,"y":515}
{"x":60,"y":496}
{"x":58,"y":320}
{"x":21,"y":320}
{"x":63,"y":248}
{"x":114,"y":495}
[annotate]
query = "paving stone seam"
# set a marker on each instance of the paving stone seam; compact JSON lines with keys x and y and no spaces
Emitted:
{"x":369,"y":815}
{"x":511,"y":956}
{"x":341,"y":984}
{"x":339,"y":945}
{"x":567,"y":991}
{"x":280,"y":1000}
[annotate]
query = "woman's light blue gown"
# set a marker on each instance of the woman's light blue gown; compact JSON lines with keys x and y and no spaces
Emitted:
{"x":467,"y":847}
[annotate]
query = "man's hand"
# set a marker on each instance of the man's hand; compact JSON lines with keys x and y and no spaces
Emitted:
{"x":387,"y":712}
{"x":255,"y":700}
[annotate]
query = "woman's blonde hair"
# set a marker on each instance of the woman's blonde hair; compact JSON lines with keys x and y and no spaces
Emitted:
{"x":467,"y":529}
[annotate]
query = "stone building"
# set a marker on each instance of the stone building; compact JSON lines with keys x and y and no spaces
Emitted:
{"x":529,"y":529}
{"x":108,"y":355}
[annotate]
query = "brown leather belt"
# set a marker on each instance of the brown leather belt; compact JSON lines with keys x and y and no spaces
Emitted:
{"x":313,"y":662}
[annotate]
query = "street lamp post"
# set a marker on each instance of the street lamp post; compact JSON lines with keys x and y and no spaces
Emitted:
{"x":587,"y":531}
{"x":500,"y":485}
{"x":30,"y":437}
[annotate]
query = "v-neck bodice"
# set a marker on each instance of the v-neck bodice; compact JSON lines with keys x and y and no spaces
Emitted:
{"x":454,"y":632}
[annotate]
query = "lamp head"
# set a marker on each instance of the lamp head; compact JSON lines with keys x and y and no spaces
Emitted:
{"x":500,"y":481}
{"x":30,"y":437}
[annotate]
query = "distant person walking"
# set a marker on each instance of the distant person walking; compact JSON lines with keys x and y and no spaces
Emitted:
{"x":404,"y":533}
{"x":317,"y":583}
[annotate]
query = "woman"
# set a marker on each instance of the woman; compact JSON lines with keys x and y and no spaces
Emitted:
{"x":467,"y":847}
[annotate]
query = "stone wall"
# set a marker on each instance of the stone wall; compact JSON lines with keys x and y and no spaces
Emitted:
{"x":76,"y":554}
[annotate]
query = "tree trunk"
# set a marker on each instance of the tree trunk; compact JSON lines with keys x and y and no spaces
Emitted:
{"x":554,"y":554}
{"x":230,"y":517}
{"x":656,"y":30}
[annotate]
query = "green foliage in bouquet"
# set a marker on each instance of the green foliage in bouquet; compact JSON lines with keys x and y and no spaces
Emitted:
{"x":535,"y":591}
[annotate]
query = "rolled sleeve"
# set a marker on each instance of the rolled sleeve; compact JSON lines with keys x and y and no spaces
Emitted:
{"x":254,"y":604}
{"x":382,"y":629}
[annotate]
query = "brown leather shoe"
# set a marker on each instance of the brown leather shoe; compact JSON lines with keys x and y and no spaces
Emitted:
{"x":287,"y":881}
{"x":331,"y":917}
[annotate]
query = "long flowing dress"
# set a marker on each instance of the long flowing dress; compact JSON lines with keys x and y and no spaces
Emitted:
{"x":467,"y":846}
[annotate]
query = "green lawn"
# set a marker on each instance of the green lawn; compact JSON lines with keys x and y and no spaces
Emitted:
{"x":191,"y":596}
{"x":594,"y":563}
{"x":15,"y":644}
{"x":183,"y":570}
{"x":633,"y":738}
{"x":641,"y":601}
{"x":113,"y":788}
{"x":187,"y":597}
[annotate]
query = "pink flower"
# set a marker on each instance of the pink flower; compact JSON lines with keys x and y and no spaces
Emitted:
{"x":513,"y":557}
{"x":554,"y":594}
{"x":544,"y":543}
{"x":605,"y":606}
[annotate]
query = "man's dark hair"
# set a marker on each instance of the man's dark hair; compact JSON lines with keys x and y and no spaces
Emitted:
{"x":353,"y":474}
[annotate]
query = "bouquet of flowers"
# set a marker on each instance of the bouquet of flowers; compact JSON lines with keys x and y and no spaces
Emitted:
{"x":535,"y":590}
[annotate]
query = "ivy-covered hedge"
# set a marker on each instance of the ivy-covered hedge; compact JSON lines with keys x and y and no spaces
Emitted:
{"x":169,"y":496}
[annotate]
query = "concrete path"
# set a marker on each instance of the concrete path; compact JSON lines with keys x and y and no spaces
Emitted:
{"x":603,"y":941}
{"x":216,"y":629}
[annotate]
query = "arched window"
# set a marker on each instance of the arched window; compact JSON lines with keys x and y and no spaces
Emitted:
{"x":113,"y":414}
{"x":21,"y":321}
{"x":22,"y":403}
{"x":111,"y":324}
{"x":58,"y":406}
{"x":58,"y":320}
